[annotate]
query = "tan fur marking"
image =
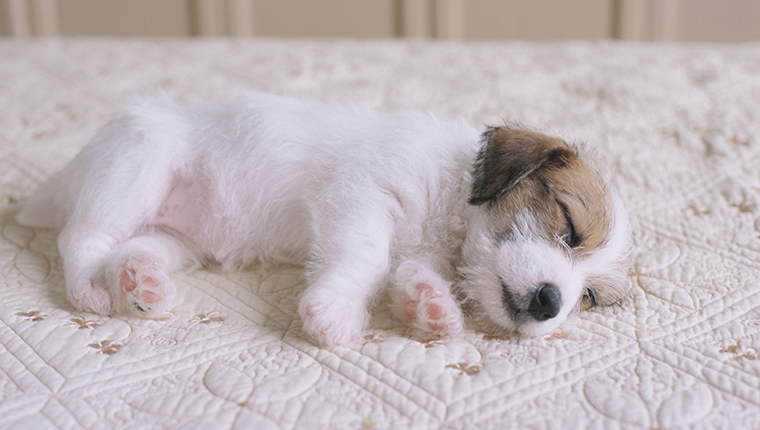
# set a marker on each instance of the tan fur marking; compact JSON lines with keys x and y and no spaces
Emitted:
{"x":561,"y":187}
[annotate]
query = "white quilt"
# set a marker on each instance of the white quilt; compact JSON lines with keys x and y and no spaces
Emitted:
{"x":680,"y":124}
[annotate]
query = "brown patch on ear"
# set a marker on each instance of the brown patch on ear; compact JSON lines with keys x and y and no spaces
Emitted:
{"x":508,"y":155}
{"x":518,"y":169}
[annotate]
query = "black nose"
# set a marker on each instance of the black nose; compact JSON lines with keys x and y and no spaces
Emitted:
{"x":546,"y":303}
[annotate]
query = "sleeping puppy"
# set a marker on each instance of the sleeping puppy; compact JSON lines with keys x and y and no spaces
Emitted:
{"x":512,"y":223}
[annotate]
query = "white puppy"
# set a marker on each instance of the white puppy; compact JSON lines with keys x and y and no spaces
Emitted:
{"x":510,"y":222}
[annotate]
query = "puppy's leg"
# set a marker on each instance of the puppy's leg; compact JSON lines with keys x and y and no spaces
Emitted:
{"x":82,"y":248}
{"x":349,"y":263}
{"x":424,"y":301}
{"x":137,"y":273}
{"x":112,"y":188}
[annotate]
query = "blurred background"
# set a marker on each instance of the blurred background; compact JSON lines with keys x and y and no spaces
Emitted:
{"x":645,"y":20}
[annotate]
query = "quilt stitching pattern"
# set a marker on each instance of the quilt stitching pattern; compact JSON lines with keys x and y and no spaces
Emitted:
{"x":679,"y":124}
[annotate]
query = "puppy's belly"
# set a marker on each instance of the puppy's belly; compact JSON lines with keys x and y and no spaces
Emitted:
{"x":183,"y":209}
{"x":240,"y":231}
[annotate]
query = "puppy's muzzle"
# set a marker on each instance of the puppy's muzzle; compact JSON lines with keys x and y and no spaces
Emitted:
{"x":546,"y":302}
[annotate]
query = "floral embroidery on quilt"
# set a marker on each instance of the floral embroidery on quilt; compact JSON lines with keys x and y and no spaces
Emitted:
{"x":374,"y":338}
{"x":82,"y":323}
{"x":10,"y":198}
{"x":743,"y":207}
{"x":106,"y":347}
{"x":465,"y":368}
{"x":34,"y":316}
{"x":429,"y":343}
{"x":696,"y":210}
{"x":207,"y":318}
{"x":737,"y":353}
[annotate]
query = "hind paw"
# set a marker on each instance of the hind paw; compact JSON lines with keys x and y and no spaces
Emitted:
{"x":143,"y":286}
{"x":88,"y":295}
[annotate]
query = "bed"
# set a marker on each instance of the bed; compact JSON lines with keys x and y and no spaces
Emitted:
{"x":678,"y":124}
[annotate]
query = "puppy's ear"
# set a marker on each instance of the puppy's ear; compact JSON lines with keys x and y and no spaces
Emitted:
{"x":508,"y":155}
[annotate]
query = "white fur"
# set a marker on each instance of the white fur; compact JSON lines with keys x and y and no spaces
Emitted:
{"x":364,"y":199}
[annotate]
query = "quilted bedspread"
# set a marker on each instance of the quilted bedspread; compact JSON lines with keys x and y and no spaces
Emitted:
{"x":679,"y":124}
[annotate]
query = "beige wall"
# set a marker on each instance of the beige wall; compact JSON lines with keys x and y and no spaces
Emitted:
{"x":669,"y":20}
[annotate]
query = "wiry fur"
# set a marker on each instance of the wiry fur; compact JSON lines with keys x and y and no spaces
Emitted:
{"x":363,"y":199}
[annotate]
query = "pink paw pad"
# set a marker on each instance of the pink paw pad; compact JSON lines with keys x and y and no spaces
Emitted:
{"x":432,"y":311}
{"x":146,"y":286}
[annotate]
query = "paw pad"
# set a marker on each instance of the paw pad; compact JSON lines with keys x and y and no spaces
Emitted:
{"x":431,"y":310}
{"x":145,"y":286}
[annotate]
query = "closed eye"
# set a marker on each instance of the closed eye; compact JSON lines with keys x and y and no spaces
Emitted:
{"x":571,"y":236}
{"x":588,"y":300}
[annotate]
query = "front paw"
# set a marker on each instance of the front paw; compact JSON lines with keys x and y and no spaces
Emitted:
{"x":429,"y":310}
{"x":333,"y":319}
{"x":426,"y":302}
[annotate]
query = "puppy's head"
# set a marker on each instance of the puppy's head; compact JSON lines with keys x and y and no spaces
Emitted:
{"x":549,"y":236}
